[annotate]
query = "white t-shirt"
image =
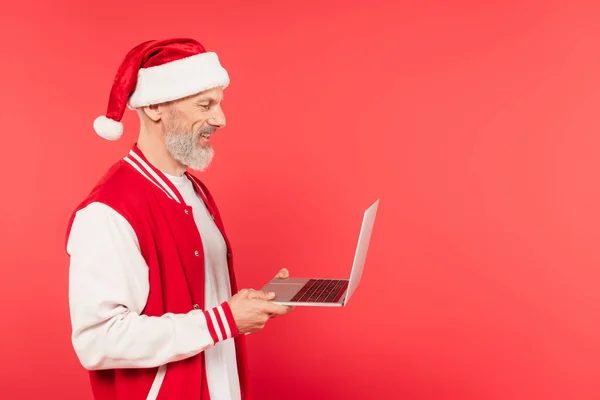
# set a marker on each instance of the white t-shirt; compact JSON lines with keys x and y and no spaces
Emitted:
{"x":221,"y":364}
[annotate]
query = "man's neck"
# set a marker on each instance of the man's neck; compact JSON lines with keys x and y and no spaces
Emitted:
{"x":156,"y":153}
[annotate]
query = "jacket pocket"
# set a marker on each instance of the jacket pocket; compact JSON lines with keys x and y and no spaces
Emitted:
{"x":157,"y":383}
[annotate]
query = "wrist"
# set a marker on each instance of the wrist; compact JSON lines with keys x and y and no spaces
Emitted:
{"x":230,"y":319}
{"x":221,"y":323}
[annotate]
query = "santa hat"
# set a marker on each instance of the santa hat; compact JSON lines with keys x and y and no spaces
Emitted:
{"x":155,"y":72}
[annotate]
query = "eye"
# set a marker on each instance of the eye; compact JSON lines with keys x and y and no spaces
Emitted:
{"x":205,"y":106}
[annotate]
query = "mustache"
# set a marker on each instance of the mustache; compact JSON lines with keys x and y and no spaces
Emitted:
{"x":207,"y":129}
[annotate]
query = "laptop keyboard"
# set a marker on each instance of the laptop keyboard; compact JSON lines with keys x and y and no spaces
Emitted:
{"x":321,"y":291}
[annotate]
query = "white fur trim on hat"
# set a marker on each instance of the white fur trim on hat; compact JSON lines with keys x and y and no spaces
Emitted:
{"x":108,"y":128}
{"x":178,"y":79}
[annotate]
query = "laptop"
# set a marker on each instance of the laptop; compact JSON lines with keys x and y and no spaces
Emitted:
{"x":327,"y":292}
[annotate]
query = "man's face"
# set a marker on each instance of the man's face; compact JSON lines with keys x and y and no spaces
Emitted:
{"x":188,"y":126}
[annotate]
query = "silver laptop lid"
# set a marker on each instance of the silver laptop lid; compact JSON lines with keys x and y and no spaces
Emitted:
{"x":364,"y":239}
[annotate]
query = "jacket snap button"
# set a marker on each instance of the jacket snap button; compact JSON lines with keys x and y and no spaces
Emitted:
{"x":186,"y":211}
{"x":196,"y":306}
{"x":196,"y":253}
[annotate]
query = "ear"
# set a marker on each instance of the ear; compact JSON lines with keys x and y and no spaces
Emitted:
{"x":154,"y":112}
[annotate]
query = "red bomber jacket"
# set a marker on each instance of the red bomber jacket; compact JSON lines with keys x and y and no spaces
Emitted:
{"x":172,"y":249}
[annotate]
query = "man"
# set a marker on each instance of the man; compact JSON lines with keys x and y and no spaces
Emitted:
{"x":154,"y":304}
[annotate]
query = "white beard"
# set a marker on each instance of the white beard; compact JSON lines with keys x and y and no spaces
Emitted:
{"x":184,"y":148}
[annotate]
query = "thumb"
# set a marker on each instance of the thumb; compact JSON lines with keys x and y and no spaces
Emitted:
{"x":260,"y":295}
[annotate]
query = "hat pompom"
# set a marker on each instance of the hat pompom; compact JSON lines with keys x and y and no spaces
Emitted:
{"x":108,"y":128}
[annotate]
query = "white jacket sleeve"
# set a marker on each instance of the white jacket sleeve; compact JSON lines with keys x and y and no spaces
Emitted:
{"x":108,"y":289}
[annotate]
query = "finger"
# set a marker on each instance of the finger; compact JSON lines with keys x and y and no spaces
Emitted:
{"x":283,"y":274}
{"x":260,"y":295}
{"x":289,"y":308}
{"x":276,"y":309}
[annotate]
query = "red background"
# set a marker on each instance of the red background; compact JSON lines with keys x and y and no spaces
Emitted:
{"x":476,"y":123}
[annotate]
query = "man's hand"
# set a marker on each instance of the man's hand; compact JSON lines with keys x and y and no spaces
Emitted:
{"x":252,"y":309}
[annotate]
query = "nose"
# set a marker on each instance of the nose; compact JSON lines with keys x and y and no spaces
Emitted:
{"x":218,"y":119}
